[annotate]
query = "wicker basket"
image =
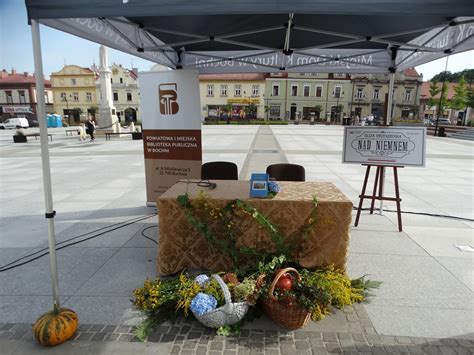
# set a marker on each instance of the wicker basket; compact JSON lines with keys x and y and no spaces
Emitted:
{"x":291,"y":316}
{"x":228,"y":314}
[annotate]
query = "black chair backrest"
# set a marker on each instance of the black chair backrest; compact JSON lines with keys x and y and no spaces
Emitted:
{"x":219,"y":170}
{"x":286,"y":172}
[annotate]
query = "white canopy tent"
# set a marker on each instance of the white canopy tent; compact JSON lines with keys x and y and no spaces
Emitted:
{"x":215,"y":36}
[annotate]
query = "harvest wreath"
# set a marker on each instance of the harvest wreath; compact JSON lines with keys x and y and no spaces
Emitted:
{"x":259,"y":281}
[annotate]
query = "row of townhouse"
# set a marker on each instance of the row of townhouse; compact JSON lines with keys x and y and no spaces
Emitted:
{"x":325,"y":96}
{"x":75,"y":91}
{"x":18,"y":95}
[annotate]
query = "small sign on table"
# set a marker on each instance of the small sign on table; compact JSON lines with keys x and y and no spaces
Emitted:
{"x":259,"y":185}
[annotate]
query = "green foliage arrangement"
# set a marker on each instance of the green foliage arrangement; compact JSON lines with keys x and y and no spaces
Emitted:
{"x":216,"y":224}
{"x":317,"y":291}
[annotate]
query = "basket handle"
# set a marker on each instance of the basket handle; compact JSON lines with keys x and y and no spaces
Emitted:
{"x":277,"y":277}
{"x":228,"y":307}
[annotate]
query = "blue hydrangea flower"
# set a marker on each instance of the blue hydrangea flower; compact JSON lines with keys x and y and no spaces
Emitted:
{"x":201,"y":280}
{"x":273,"y":186}
{"x":203,"y":303}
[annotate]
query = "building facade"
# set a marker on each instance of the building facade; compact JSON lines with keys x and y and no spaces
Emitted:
{"x":18,"y":96}
{"x":458,"y":117}
{"x":74,"y":91}
{"x":291,"y":96}
{"x":125,"y":92}
{"x":230,"y":95}
{"x":370,"y":92}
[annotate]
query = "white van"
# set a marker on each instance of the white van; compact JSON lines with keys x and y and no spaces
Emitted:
{"x":15,"y":122}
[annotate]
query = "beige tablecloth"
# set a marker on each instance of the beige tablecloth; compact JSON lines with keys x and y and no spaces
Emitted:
{"x":181,"y":247}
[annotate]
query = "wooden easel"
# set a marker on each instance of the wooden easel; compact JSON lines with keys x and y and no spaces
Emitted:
{"x":379,"y":180}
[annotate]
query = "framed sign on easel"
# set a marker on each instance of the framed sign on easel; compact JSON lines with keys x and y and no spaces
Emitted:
{"x":382,"y":148}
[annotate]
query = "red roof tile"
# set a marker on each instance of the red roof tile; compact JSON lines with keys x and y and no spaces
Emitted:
{"x":16,"y":78}
{"x":410,"y":72}
{"x":425,"y":90}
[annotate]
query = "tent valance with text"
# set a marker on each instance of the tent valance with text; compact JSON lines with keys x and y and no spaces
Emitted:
{"x":215,"y":36}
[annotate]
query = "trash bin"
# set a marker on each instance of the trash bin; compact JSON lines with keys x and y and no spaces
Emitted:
{"x":441,"y":132}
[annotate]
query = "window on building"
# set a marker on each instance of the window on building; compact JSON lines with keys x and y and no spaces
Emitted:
{"x":88,"y":96}
{"x":376,"y":94}
{"x":22,"y":97}
{"x":276,"y":89}
{"x":115,"y":96}
{"x":210,"y":90}
{"x":129,"y":96}
{"x":63,"y":96}
{"x":223,"y":90}
{"x":9,"y":97}
{"x":407,"y":95}
{"x":339,"y":75}
{"x":359,"y":93}
{"x":121,"y":80}
{"x":75,"y":96}
{"x":255,"y":90}
{"x":306,"y":89}
{"x":337,"y":91}
{"x":319,"y":90}
{"x":73,"y":82}
{"x":238,"y":90}
{"x":46,"y":98}
{"x":294,"y":89}
{"x":111,"y":80}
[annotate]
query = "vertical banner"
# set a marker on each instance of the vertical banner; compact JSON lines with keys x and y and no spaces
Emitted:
{"x":171,"y":125}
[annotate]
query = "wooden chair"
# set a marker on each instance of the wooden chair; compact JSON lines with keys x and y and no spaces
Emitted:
{"x":219,"y":170}
{"x":286,"y":172}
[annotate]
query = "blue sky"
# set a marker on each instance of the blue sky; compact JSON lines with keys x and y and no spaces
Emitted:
{"x":59,"y":48}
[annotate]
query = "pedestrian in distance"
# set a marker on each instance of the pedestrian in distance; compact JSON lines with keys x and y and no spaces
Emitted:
{"x":90,"y":128}
{"x":356,"y":120}
{"x":370,"y":119}
{"x":81,"y":131}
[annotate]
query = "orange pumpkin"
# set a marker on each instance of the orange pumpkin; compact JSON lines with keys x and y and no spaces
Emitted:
{"x":55,"y":327}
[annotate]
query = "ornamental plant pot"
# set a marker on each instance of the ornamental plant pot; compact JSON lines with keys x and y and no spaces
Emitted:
{"x":137,"y":136}
{"x":19,"y":139}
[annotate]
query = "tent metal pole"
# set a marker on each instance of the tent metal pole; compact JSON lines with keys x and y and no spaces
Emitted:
{"x":389,"y":119}
{"x":390,"y":98}
{"x":48,"y":194}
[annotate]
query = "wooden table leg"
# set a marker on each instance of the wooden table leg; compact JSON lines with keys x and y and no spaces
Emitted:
{"x":361,"y":196}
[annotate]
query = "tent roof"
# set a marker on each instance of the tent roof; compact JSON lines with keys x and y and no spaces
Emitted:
{"x":268,"y":35}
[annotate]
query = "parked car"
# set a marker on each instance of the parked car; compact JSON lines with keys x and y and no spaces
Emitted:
{"x":441,"y":121}
{"x":15,"y":122}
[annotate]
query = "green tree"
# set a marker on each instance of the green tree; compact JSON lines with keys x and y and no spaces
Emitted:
{"x":251,"y":111}
{"x":470,"y":98}
{"x":459,"y":100}
{"x":93,"y":110}
{"x":440,"y":102}
{"x":318,"y":109}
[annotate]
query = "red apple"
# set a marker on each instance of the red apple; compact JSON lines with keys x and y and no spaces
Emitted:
{"x":285,"y":283}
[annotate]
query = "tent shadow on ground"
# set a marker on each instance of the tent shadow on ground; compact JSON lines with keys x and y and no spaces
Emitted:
{"x":130,"y":212}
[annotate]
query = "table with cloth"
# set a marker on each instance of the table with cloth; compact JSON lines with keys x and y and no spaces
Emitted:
{"x":181,"y":246}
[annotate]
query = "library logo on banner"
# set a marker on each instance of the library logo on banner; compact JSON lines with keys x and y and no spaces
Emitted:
{"x":168,"y":97}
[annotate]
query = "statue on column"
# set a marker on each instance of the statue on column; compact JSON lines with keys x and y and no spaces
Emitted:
{"x":107,"y":113}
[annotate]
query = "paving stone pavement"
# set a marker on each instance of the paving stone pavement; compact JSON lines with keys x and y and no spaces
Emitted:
{"x":190,"y":337}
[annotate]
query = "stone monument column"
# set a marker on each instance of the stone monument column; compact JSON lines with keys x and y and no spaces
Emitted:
{"x":107,"y":116}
